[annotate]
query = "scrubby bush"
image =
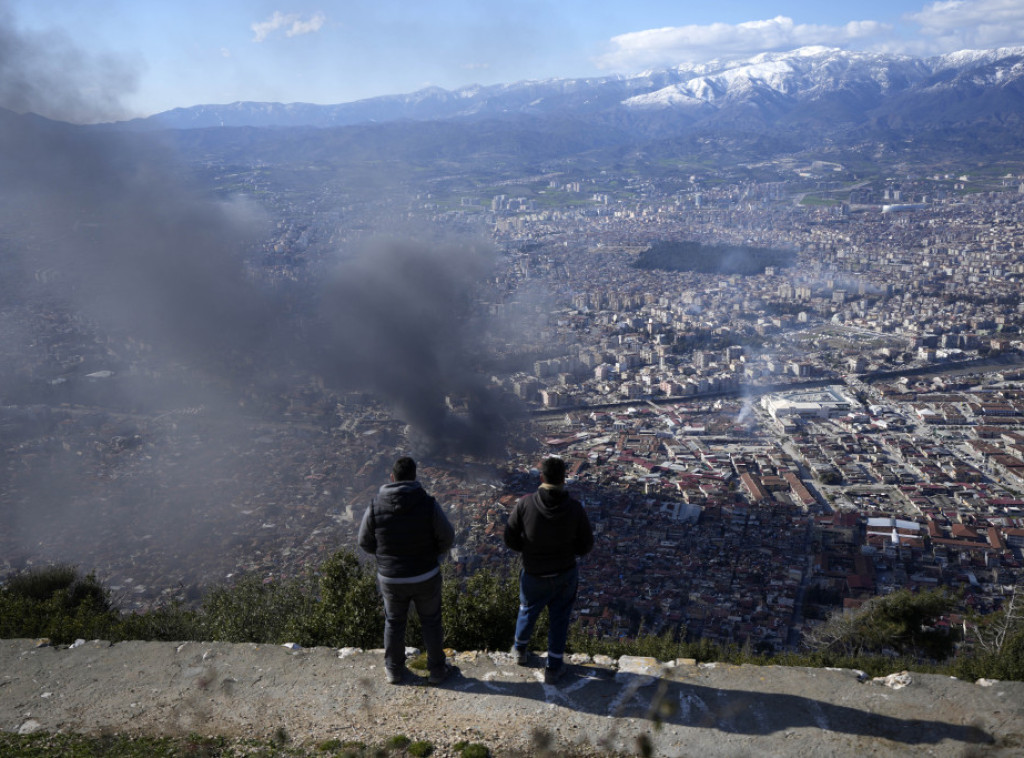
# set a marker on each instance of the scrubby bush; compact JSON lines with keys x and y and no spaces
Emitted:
{"x":903,"y":622}
{"x":350,"y":611}
{"x":420,"y":748}
{"x":339,"y":605}
{"x":43,"y":582}
{"x":253,"y":610}
{"x":1004,"y":662}
{"x":663,"y":647}
{"x":480,"y":611}
{"x":996,"y":642}
{"x":471,"y":750}
{"x":55,"y":602}
{"x":398,"y":742}
{"x":169,"y":623}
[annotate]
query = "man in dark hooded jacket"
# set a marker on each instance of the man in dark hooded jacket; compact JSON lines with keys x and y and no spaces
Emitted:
{"x":550,"y":528}
{"x":407,"y":531}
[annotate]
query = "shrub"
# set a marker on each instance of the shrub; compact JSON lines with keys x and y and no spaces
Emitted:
{"x":420,"y":748}
{"x":480,"y":611}
{"x":901,"y":622}
{"x":398,"y":742}
{"x":664,"y":647}
{"x":472,"y":750}
{"x":256,"y":611}
{"x":41,"y":583}
{"x":1006,"y":662}
{"x":350,"y":611}
{"x":170,"y":623}
{"x":55,"y":602}
{"x":342,"y":607}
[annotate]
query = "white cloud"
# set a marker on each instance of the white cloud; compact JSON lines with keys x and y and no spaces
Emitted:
{"x":959,"y":24}
{"x":312,"y":24}
{"x":262,"y":29}
{"x":292,"y":24}
{"x":678,"y":44}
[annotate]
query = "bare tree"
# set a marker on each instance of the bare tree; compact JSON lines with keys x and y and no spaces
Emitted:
{"x":991,"y":635}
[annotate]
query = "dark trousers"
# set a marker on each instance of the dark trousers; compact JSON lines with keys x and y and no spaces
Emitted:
{"x":426,"y":596}
{"x":556,"y":593}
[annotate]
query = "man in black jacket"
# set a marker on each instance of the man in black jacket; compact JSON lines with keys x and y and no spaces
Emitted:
{"x":550,"y":528}
{"x":407,"y":531}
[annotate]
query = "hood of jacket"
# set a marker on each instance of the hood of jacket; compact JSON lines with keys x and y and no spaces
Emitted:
{"x":397,"y":494}
{"x":553,"y":501}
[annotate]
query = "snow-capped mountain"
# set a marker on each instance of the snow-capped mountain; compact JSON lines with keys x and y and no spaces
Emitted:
{"x":803,"y":74}
{"x":809,"y":84}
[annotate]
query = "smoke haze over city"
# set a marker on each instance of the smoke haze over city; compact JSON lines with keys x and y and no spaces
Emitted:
{"x":109,"y":232}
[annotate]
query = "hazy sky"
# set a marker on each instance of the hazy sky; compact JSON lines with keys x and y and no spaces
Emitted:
{"x":188,"y":52}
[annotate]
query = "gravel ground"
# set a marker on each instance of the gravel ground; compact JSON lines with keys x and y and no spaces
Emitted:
{"x":598,"y":708}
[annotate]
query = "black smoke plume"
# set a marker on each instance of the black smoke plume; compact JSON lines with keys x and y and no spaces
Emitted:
{"x":400,"y":318}
{"x":144,"y":253}
{"x":105,"y":235}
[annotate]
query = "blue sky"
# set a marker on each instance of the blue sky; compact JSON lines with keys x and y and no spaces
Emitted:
{"x":145,"y":56}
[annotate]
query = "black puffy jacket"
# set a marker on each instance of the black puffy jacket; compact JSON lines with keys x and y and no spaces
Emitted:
{"x":406,"y":530}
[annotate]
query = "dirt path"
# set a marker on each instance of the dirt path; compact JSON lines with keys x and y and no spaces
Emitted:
{"x":161,"y":688}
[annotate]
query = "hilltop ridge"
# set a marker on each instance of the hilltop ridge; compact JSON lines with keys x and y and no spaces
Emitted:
{"x":810,"y":86}
{"x":600,"y":707}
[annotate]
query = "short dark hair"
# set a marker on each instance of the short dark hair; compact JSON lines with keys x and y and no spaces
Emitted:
{"x":552,"y":469}
{"x":404,"y":469}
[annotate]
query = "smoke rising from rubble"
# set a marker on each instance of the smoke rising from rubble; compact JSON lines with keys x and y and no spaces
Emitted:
{"x":399,"y":319}
{"x":103,"y":226}
{"x":152,"y":257}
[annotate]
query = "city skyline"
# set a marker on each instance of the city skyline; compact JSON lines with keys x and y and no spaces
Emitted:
{"x":135,"y":60}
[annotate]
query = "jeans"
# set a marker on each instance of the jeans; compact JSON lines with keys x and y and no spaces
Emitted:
{"x":556,"y":593}
{"x":426,"y":596}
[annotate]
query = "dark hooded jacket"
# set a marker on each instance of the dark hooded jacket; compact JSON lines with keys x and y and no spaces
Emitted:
{"x":550,"y":528}
{"x":406,"y":530}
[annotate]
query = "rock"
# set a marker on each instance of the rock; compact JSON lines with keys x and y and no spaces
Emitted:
{"x":604,"y":660}
{"x":292,"y":645}
{"x":30,"y":727}
{"x":986,"y":682}
{"x":640,"y":671}
{"x":637,"y":664}
{"x":682,"y":662}
{"x":895,"y":681}
{"x":345,"y":652}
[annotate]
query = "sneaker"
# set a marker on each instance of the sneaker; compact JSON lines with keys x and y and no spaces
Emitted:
{"x":395,"y":676}
{"x":438,"y":677}
{"x":522,"y":655}
{"x":552,"y":674}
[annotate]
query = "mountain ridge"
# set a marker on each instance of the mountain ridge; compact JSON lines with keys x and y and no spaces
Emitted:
{"x":809,"y":78}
